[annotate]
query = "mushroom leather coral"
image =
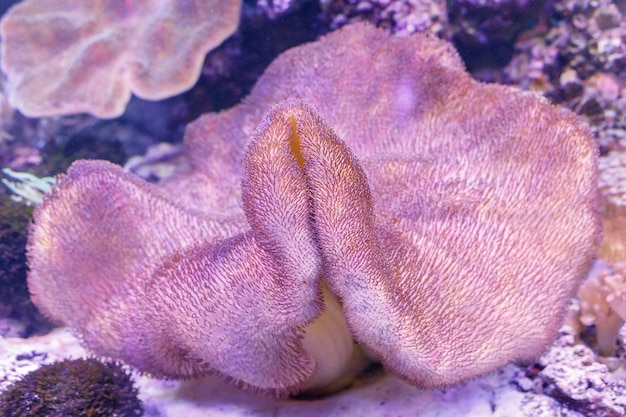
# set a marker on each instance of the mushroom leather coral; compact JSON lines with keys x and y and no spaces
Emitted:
{"x":68,"y":56}
{"x":452,"y":219}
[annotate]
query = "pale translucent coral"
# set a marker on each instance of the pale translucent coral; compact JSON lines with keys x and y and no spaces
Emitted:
{"x":71,"y":56}
{"x":612,"y":185}
{"x":26,"y":187}
{"x":603,"y":304}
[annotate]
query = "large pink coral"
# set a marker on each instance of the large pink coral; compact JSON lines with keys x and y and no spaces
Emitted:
{"x":70,"y":56}
{"x":452,"y":219}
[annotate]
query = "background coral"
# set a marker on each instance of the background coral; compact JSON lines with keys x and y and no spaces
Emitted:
{"x":73,"y":387}
{"x":276,"y":8}
{"x":14,"y":219}
{"x":577,"y":57}
{"x":66,"y":57}
{"x":485,"y":31}
{"x":401,"y":16}
{"x":603,"y":304}
{"x":18,"y":316}
{"x":612,"y":188}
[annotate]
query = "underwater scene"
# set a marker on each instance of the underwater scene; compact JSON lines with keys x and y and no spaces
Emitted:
{"x":306,"y":208}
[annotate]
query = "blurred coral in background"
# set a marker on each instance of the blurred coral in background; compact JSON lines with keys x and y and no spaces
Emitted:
{"x":63,"y":57}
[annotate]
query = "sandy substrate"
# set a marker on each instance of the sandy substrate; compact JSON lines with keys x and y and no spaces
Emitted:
{"x":499,"y":394}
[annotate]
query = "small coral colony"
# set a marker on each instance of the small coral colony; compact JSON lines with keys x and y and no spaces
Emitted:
{"x":367,"y":202}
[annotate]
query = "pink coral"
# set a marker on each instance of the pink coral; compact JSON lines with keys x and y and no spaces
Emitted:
{"x":70,"y":56}
{"x":440,"y":222}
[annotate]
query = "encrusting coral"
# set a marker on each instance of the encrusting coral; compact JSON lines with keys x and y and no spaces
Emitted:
{"x":441,"y":223}
{"x":65,"y":56}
